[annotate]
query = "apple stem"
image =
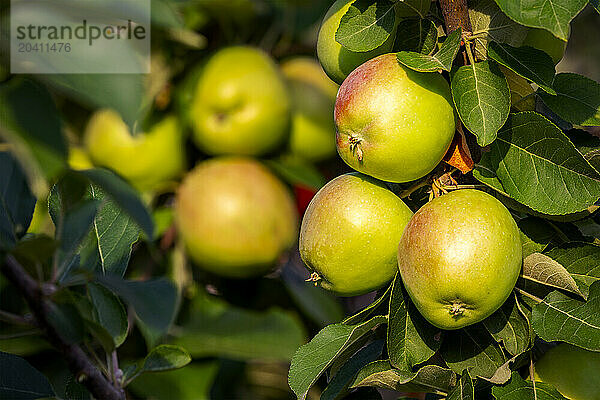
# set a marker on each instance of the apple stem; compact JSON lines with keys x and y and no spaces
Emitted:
{"x":414,"y":188}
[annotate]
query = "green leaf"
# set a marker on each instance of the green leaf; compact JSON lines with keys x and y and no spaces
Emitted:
{"x":490,"y":23}
{"x":154,"y":300}
{"x":166,"y":357}
{"x":123,"y":195}
{"x":116,"y":232}
{"x":474,"y":349}
{"x":16,"y":202}
{"x":552,"y":15}
{"x":577,"y":99}
{"x":121,"y":92}
{"x":533,"y":162}
{"x":584,"y":141}
{"x":378,"y":305}
{"x":411,"y":340}
{"x":20,"y":381}
{"x":313,"y":358}
{"x":416,"y":35}
{"x":72,"y":230}
{"x":318,"y":304}
{"x":560,"y":317}
{"x":216,"y":328}
{"x":296,"y":171}
{"x":345,"y":375}
{"x":509,"y":326}
{"x":75,"y":390}
{"x":542,"y":269}
{"x":366,"y":25}
{"x":595,"y":4}
{"x":502,"y":374}
{"x":441,"y":60}
{"x":519,"y":389}
{"x":39,"y":142}
{"x":190,"y":383}
{"x":110,"y":313}
{"x":528,"y":62}
{"x":427,"y":378}
{"x":582,"y":260}
{"x":66,"y":194}
{"x":65,"y":318}
{"x":482,"y":98}
{"x":464,"y":390}
{"x":536,"y":234}
{"x":412,"y":8}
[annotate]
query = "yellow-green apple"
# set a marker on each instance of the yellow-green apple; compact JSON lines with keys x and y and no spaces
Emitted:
{"x":338,"y":61}
{"x":149,"y":161}
{"x":393,"y":123}
{"x":542,"y":39}
{"x":312,"y":135}
{"x":350,"y":233}
{"x":240,"y":104}
{"x":572,"y":370}
{"x":460,"y":257}
{"x":235,"y":217}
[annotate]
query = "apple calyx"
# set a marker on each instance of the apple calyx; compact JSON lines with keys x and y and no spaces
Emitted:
{"x":314,"y":277}
{"x":457,"y":308}
{"x":354,"y":143}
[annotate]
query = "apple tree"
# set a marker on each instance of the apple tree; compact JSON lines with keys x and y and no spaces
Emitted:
{"x":524,"y":134}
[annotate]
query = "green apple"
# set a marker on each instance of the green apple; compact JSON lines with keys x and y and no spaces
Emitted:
{"x":149,"y":161}
{"x":544,"y":40}
{"x":460,"y":257}
{"x":235,"y":217}
{"x":337,"y":61}
{"x":572,"y":370}
{"x":350,"y":233}
{"x":309,"y":71}
{"x":393,"y":123}
{"x":312,"y":135}
{"x":240,"y":104}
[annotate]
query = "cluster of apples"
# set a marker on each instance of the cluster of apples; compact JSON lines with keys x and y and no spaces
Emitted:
{"x":235,"y":217}
{"x":393,"y":124}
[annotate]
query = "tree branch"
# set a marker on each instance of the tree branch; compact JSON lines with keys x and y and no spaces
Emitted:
{"x":456,"y":15}
{"x":85,"y":372}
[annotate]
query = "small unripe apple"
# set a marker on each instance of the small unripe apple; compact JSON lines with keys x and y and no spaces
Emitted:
{"x":393,"y":123}
{"x":312,"y":135}
{"x":460,"y":257}
{"x":337,"y":61}
{"x":239,"y":104}
{"x":235,"y":217}
{"x":544,"y":40}
{"x":350,"y":233}
{"x":572,"y":370}
{"x":149,"y":161}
